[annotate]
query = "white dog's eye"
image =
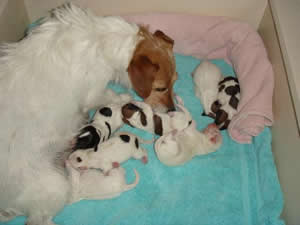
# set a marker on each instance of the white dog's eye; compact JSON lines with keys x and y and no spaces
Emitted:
{"x":190,"y":122}
{"x":161,"y":89}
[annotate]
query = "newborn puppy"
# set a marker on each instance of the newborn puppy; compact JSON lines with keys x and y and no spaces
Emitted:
{"x":206,"y":78}
{"x":106,"y":120}
{"x":178,"y":147}
{"x":110,"y":153}
{"x":225,"y":107}
{"x":140,"y":115}
{"x":93,"y":184}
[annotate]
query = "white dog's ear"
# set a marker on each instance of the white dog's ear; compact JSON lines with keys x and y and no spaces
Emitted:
{"x":169,"y":42}
{"x":142,"y":73}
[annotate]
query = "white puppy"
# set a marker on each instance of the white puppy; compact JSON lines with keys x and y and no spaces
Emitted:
{"x":110,"y":153}
{"x":140,"y":115}
{"x":178,"y":147}
{"x":206,"y":78}
{"x":48,"y":81}
{"x":93,"y":184}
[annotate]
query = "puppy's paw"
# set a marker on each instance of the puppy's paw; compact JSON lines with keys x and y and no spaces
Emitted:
{"x":144,"y":159}
{"x":212,"y":132}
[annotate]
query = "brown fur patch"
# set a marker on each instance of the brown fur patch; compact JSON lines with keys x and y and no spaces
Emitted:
{"x":153,"y":68}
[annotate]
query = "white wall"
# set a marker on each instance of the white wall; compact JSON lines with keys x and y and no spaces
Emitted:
{"x":286,"y":140}
{"x":13,"y":20}
{"x":250,"y":11}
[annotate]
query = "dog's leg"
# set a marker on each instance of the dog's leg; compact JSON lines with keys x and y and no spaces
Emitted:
{"x":74,"y":178}
{"x":46,"y":197}
{"x":8,"y":214}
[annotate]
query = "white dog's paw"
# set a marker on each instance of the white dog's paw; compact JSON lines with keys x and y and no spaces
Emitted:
{"x":31,"y":221}
{"x":8,"y":214}
{"x":212,"y":132}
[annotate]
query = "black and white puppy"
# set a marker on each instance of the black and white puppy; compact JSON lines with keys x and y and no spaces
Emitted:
{"x":140,"y":115}
{"x":106,"y":121}
{"x":225,"y":107}
{"x":118,"y":149}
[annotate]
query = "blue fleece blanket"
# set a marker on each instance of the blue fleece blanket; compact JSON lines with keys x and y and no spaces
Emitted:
{"x":237,"y":185}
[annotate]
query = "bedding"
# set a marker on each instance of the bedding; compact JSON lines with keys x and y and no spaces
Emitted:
{"x":238,"y":184}
{"x":240,"y":45}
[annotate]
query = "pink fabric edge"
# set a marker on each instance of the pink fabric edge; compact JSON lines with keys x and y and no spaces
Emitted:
{"x":209,"y":37}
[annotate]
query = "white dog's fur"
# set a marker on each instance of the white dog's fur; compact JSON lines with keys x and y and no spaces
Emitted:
{"x":93,"y":184}
{"x":206,"y":78}
{"x":178,"y":147}
{"x":47,"y":82}
{"x":111,"y":153}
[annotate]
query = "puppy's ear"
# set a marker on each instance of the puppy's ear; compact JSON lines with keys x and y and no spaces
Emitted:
{"x":167,"y":40}
{"x":158,"y":126}
{"x":142,"y":72}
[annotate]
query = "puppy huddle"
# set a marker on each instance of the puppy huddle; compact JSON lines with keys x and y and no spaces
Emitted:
{"x":94,"y":166}
{"x":180,"y":140}
{"x":220,"y":96}
{"x":98,"y":152}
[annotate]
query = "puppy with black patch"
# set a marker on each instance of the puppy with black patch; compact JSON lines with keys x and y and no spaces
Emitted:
{"x":140,"y":115}
{"x":93,"y":184}
{"x":225,"y":107}
{"x":107,"y":119}
{"x":110,"y":154}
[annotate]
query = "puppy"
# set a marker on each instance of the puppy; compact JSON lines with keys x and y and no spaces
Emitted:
{"x":93,"y":184}
{"x":206,"y":78}
{"x":49,"y":80}
{"x":140,"y":115}
{"x":107,"y":119}
{"x":110,"y":153}
{"x":225,"y":107}
{"x":178,"y":147}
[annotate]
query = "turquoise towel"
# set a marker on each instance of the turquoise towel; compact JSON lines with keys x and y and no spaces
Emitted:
{"x":237,"y":185}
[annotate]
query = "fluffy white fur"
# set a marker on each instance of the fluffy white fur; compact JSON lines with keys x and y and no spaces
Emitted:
{"x":47,"y":82}
{"x":178,"y":147}
{"x":206,"y":78}
{"x":93,"y":184}
{"x":111,"y":153}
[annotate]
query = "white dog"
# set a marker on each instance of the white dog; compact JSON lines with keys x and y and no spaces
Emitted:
{"x":49,"y":80}
{"x":93,"y":184}
{"x":178,"y":147}
{"x":110,"y":154}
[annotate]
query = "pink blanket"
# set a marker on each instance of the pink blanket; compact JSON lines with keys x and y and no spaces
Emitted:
{"x":237,"y":43}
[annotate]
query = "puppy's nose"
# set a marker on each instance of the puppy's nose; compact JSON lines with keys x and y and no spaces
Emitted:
{"x":172,"y":109}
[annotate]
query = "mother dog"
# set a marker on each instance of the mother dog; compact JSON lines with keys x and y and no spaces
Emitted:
{"x":49,"y":80}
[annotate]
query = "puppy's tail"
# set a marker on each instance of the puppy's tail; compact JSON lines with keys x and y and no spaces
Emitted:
{"x":133,"y":185}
